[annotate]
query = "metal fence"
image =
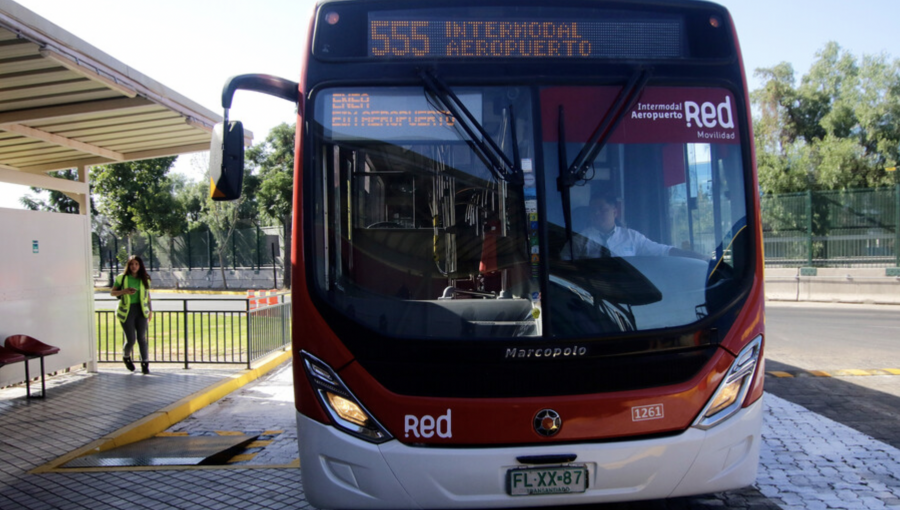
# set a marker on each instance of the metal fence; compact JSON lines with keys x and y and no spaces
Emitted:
{"x":192,"y":331}
{"x":253,"y":247}
{"x":852,"y":228}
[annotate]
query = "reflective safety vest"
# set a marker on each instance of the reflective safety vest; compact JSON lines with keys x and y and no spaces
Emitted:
{"x":125,"y":299}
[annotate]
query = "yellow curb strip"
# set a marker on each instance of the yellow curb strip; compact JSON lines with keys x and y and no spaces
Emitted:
{"x":819,"y":373}
{"x":168,"y":416}
{"x":780,"y":374}
{"x":141,"y":429}
{"x":892,"y":371}
{"x":241,"y":458}
{"x":851,"y":371}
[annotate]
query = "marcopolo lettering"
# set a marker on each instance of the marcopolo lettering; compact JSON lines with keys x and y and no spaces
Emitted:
{"x":709,"y":115}
{"x":573,"y":351}
{"x":427,"y":426}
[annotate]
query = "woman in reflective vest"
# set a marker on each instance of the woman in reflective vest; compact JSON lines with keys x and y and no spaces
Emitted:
{"x":132,"y":287}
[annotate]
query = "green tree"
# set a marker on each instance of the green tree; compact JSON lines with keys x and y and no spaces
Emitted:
{"x":273,"y":160}
{"x":838,"y":129}
{"x":775,"y":127}
{"x":192,"y":196}
{"x":220,"y":217}
{"x":137,"y":196}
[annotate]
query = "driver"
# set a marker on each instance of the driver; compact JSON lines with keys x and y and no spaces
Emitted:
{"x":604,"y":238}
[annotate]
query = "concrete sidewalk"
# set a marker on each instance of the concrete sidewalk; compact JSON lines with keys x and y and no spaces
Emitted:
{"x":95,"y":411}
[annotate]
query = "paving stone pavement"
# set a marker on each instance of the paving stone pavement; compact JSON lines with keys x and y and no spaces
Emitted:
{"x":264,"y":407}
{"x":869,"y":404}
{"x":808,"y":461}
{"x":811,"y":462}
{"x":81,"y":407}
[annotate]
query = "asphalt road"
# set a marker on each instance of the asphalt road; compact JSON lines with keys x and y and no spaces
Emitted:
{"x":813,"y":336}
{"x":176,"y":301}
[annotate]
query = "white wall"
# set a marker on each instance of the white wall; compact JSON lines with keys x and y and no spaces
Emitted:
{"x":47,"y":294}
{"x":833,"y":285}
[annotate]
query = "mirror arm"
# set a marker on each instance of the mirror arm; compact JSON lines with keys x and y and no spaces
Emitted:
{"x":267,"y":84}
{"x":226,"y":146}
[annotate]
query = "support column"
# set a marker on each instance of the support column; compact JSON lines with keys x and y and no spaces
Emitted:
{"x":84,"y":209}
{"x":83,"y":199}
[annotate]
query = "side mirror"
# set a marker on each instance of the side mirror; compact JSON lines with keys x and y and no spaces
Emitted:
{"x":226,"y":161}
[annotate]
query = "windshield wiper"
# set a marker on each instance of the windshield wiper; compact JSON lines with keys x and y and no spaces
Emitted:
{"x":569,"y":175}
{"x":495,"y":159}
{"x":626,"y":99}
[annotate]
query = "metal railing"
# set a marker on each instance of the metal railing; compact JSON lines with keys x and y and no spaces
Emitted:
{"x":269,"y":329}
{"x":849,"y":228}
{"x":198,"y":331}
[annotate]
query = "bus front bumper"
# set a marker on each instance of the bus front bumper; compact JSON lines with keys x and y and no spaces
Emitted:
{"x":340,"y":471}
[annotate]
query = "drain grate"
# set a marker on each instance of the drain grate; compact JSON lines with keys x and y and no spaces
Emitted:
{"x":168,"y":451}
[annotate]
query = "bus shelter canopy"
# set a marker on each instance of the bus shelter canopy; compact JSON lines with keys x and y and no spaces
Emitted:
{"x":65,"y":104}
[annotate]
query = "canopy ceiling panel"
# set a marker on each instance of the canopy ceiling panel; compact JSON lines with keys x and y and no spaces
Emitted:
{"x":65,"y":104}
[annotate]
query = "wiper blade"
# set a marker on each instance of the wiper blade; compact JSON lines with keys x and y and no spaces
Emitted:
{"x":564,"y":189}
{"x":607,"y":126}
{"x":571,"y":174}
{"x":496,"y":160}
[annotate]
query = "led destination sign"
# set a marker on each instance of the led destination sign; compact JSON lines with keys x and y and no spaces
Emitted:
{"x":398,"y":114}
{"x":405,"y":37}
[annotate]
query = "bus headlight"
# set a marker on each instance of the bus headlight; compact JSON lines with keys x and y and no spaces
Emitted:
{"x":724,"y":398}
{"x":345,"y":410}
{"x":731,"y":392}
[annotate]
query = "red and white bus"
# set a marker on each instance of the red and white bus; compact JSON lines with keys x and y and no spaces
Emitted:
{"x":527,"y":261}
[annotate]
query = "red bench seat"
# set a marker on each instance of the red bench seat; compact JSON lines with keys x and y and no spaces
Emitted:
{"x":30,"y":348}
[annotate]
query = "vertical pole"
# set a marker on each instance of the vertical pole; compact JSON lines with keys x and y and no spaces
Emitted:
{"x":184,"y":315}
{"x":274,"y":269}
{"x":116,"y":248}
{"x":43,"y":380}
{"x":284,"y":323}
{"x":210,"y":249}
{"x":897,"y":223}
{"x":258,"y":251}
{"x":234,"y":249}
{"x":809,"y":228}
{"x":150,"y":245}
{"x":249,"y":336}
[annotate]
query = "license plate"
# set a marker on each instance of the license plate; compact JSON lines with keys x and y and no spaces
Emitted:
{"x":546,"y":480}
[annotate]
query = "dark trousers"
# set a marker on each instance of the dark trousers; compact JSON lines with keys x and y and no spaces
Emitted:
{"x":136,"y":329}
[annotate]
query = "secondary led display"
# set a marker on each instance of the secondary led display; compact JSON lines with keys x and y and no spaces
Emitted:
{"x":394,"y":114}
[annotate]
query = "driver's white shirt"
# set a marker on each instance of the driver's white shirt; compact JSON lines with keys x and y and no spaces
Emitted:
{"x":622,"y":242}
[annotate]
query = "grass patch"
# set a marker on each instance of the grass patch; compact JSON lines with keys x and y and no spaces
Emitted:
{"x":176,"y":336}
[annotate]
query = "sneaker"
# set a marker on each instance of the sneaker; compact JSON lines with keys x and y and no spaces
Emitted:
{"x":145,"y":367}
{"x":128,"y":363}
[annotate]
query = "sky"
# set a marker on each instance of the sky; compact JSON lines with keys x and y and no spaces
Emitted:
{"x":194,"y":46}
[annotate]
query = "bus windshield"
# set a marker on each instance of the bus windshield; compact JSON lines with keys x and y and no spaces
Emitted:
{"x":418,"y":234}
